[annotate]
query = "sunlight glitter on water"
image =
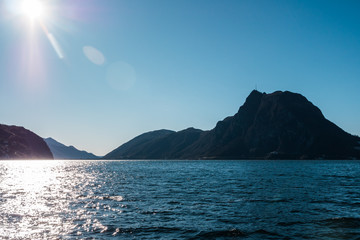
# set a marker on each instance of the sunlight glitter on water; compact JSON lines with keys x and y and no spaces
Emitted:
{"x":28,"y":191}
{"x":179,"y":199}
{"x":54,"y":199}
{"x":36,"y":198}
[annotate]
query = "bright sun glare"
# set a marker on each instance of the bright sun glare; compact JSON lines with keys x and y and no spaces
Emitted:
{"x":34,"y":9}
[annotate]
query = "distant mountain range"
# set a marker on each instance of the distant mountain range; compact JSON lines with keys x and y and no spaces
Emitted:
{"x":280,"y":125}
{"x":60,"y":151}
{"x":20,"y":143}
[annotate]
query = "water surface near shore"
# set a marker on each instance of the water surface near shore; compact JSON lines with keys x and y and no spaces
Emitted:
{"x":180,"y":199}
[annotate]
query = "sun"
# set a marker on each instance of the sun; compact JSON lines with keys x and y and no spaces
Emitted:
{"x":34,"y":9}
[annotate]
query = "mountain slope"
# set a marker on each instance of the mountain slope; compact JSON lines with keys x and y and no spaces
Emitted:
{"x":280,"y":125}
{"x":60,"y":151}
{"x":20,"y":143}
{"x":139,"y":147}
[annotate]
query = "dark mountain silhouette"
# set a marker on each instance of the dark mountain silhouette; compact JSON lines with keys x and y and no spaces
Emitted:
{"x":20,"y":143}
{"x":141,"y":145}
{"x":280,"y":125}
{"x":60,"y":151}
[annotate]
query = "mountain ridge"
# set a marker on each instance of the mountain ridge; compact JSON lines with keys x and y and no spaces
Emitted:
{"x":61,"y":151}
{"x":279,"y":125}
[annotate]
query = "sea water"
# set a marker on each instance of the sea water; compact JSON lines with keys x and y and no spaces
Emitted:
{"x":179,"y":200}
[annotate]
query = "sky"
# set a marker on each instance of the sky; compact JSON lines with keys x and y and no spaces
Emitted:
{"x":96,"y":73}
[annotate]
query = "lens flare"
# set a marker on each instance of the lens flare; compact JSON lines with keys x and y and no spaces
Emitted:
{"x":34,"y":9}
{"x":94,"y":55}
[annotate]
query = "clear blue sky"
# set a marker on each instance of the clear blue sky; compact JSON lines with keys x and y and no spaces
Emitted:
{"x":190,"y":63}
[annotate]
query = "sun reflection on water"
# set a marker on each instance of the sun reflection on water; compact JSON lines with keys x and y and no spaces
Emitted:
{"x":28,"y":189}
{"x":54,"y":199}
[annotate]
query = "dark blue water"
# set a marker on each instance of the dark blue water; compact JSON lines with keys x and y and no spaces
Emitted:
{"x":180,"y":199}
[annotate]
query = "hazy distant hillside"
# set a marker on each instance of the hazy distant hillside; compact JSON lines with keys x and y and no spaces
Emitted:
{"x":280,"y":125}
{"x":20,"y":143}
{"x":60,"y":151}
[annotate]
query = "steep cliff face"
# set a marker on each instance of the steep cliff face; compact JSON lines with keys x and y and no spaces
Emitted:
{"x":280,"y":125}
{"x":20,"y":143}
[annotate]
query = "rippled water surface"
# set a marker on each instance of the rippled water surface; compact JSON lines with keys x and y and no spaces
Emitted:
{"x":180,"y":199}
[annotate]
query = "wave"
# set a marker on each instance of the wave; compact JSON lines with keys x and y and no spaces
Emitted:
{"x":341,"y":222}
{"x":218,"y":234}
{"x":286,"y":224}
{"x":338,"y":176}
{"x":275,"y":200}
{"x":114,"y":198}
{"x":233,"y":233}
{"x":191,"y":234}
{"x":145,"y":231}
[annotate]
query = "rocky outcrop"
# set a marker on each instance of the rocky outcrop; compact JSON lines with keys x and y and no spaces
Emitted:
{"x":20,"y":143}
{"x":280,"y":125}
